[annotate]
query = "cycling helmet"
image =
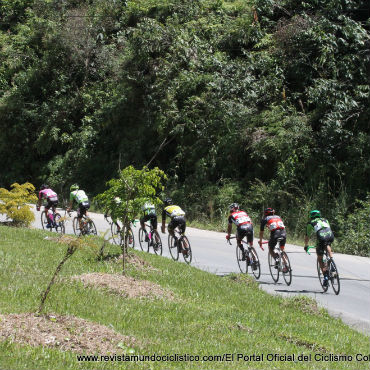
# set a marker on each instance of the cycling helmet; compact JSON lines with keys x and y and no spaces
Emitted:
{"x":234,"y":206}
{"x":74,"y":187}
{"x":315,"y":214}
{"x":269,"y":211}
{"x":44,"y":186}
{"x":167,"y":201}
{"x":117,"y":200}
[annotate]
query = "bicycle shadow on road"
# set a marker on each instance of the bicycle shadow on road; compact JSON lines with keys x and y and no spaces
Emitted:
{"x":301,"y":291}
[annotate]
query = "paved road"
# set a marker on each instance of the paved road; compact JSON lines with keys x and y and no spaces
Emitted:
{"x":213,"y":254}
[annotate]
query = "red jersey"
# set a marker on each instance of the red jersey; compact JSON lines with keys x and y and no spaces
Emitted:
{"x":239,"y":218}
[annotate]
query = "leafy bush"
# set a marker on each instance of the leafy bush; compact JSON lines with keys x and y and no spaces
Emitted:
{"x":354,"y":236}
{"x":14,"y":203}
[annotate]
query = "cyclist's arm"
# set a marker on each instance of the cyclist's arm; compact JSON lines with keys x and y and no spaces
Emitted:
{"x":262,"y":228}
{"x":309,"y":231}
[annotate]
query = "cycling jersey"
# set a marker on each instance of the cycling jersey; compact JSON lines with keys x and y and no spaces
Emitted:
{"x":48,"y":194}
{"x":323,"y":232}
{"x":239,"y":218}
{"x":173,"y":211}
{"x":273,"y":223}
{"x":78,"y":196}
{"x":148,"y":209}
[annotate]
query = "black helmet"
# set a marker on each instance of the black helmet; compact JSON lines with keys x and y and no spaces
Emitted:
{"x":269,"y":211}
{"x":233,"y":206}
{"x":167,"y":202}
{"x":44,"y":186}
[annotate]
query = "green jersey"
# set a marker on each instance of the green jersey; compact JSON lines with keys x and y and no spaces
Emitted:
{"x":148,"y":209}
{"x":319,"y":226}
{"x":78,"y":196}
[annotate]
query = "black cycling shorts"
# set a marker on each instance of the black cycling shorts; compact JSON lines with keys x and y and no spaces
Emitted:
{"x":324,"y":238}
{"x":152,"y":218}
{"x":82,"y":208}
{"x":275,"y":235}
{"x":245,"y":230}
{"x":177,"y":221}
{"x":51,"y":202}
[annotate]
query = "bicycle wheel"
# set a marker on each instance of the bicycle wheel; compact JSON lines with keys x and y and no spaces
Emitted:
{"x":287,"y":275}
{"x":334,"y":277}
{"x":91,"y":228}
{"x":44,"y":220}
{"x":186,"y":250}
{"x":76,"y":226}
{"x":157,"y":242}
{"x":172,"y":246}
{"x":321,"y":277}
{"x":130,"y":240}
{"x":274,"y":270}
{"x":142,"y":241}
{"x":255,"y":263}
{"x":116,"y":235}
{"x":243,"y":265}
{"x":58,"y":224}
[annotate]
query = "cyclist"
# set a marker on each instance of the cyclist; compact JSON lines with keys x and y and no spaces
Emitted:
{"x":325,"y":237}
{"x":148,"y":214}
{"x":117,"y":201}
{"x":244,"y":227}
{"x":78,"y":197}
{"x":277,"y":231}
{"x":177,"y":216}
{"x":51,"y":198}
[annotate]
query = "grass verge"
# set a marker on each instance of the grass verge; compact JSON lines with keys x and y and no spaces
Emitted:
{"x":209,"y":315}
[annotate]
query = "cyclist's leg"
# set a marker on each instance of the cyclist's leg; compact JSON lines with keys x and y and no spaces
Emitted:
{"x":282,"y":241}
{"x":81,"y":211}
{"x":154,"y":221}
{"x":272,"y":243}
{"x":48,"y":218}
{"x":171,"y":227}
{"x":239,"y":235}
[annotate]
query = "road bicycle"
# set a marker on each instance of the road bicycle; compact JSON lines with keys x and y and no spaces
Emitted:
{"x":331,"y":267}
{"x":281,"y":264}
{"x":150,"y":239}
{"x":250,"y":259}
{"x":117,"y":232}
{"x":87,"y":226}
{"x":179,"y":243}
{"x":56,"y":221}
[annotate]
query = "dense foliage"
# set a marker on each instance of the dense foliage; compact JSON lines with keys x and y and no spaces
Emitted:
{"x":265,"y":102}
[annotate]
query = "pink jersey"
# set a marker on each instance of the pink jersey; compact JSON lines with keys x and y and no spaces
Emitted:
{"x":48,"y":194}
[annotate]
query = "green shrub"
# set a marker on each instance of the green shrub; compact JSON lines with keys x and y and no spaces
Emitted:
{"x":14,"y":203}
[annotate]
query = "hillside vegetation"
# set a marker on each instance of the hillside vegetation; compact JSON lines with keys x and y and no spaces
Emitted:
{"x":189,"y":312}
{"x":262,"y":102}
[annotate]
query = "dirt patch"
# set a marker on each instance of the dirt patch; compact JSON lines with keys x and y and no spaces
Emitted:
{"x":137,"y":262}
{"x":67,"y":333}
{"x":242,"y":279}
{"x":303,"y":303}
{"x":303,"y":343}
{"x":125,"y":285}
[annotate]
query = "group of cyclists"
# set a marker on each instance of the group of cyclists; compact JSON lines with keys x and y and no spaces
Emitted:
{"x":244,"y":226}
{"x":274,"y":223}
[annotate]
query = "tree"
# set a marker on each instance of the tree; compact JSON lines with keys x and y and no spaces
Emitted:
{"x":133,"y":188}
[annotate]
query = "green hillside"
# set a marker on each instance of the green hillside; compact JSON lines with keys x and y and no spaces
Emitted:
{"x":262,"y":102}
{"x":198,"y":314}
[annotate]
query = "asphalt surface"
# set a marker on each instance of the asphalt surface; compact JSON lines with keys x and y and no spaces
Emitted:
{"x":211,"y":253}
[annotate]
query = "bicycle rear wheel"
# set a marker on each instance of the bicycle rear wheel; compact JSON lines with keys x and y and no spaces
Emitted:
{"x":142,"y":241}
{"x":274,"y":270}
{"x":157,"y":242}
{"x":287,"y":275}
{"x":255,"y":263}
{"x":76,"y":226}
{"x":116,"y":235}
{"x":243,"y":265}
{"x":321,"y":277}
{"x":172,"y":246}
{"x":186,"y":250}
{"x":334,"y":277}
{"x":59,"y":225}
{"x":44,"y":219}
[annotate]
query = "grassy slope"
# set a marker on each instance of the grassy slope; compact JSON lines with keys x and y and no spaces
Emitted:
{"x":210,"y":315}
